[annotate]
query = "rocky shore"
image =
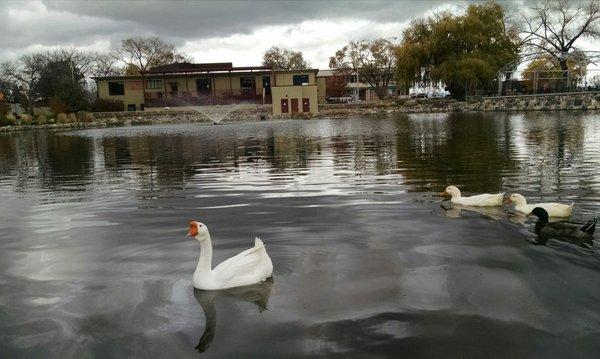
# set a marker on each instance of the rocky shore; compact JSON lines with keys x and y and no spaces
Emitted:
{"x":549,"y":102}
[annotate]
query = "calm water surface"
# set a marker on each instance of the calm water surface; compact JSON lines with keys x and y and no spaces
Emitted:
{"x":94,"y":261}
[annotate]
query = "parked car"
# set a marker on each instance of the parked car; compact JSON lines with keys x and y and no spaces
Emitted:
{"x":345,"y":99}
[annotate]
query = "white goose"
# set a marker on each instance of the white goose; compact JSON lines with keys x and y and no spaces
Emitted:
{"x":249,"y":267}
{"x":481,"y":200}
{"x":554,"y":209}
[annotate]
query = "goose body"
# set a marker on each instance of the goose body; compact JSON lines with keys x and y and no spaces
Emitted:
{"x":570,"y":231}
{"x":480,"y":200}
{"x":554,"y":209}
{"x":246,"y":268}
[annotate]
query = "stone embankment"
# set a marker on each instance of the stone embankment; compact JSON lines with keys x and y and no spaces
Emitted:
{"x":548,"y":102}
{"x":151,"y":116}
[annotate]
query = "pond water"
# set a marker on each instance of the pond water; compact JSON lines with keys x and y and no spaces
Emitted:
{"x":95,"y":262}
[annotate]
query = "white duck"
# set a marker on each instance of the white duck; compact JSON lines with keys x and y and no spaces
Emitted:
{"x":554,"y":209}
{"x":481,"y":200}
{"x":249,"y":267}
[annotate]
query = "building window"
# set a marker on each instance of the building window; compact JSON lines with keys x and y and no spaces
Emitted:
{"x":116,"y":89}
{"x":300,"y":80}
{"x":154,"y":84}
{"x":248,"y":85}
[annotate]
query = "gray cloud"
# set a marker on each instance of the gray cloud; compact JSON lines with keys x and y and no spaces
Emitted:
{"x":200,"y":19}
{"x":38,"y":24}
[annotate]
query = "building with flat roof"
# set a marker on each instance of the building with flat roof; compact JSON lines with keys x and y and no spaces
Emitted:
{"x":355,"y":87}
{"x":187,"y":84}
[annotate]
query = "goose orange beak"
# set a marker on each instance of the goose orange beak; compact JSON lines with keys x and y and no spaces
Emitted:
{"x":506,"y":200}
{"x":442,"y":194}
{"x":193,"y":229}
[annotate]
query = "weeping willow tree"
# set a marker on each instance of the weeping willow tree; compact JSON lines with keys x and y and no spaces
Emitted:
{"x":464,"y":52}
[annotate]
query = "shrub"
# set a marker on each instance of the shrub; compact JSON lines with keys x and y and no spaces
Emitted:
{"x":61,"y":118}
{"x":41,"y":119}
{"x":8,"y":120}
{"x":26,"y":119}
{"x":107,"y":105}
{"x":57,"y":105}
{"x":80,"y":116}
{"x":41,"y":110}
{"x":72,"y":118}
{"x":84,"y":116}
{"x":4,"y":109}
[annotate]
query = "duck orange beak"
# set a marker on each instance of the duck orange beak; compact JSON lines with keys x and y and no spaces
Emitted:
{"x":193,"y":229}
{"x":506,"y":200}
{"x":442,"y":194}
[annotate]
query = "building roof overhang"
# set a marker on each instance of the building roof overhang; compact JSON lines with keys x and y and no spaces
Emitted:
{"x":186,"y":68}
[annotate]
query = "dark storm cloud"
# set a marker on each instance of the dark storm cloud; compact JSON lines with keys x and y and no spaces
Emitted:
{"x":201,"y":19}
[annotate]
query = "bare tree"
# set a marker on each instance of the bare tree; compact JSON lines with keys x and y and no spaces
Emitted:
{"x":103,"y":64}
{"x":374,"y":61}
{"x":142,"y":53}
{"x":554,"y":26}
{"x":284,"y":59}
{"x":25,"y":73}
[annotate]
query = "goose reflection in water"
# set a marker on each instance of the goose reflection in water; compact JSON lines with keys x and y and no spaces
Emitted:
{"x":257,"y":294}
{"x":452,"y":210}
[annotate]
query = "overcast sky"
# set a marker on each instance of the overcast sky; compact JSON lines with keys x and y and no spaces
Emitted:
{"x":209,"y":31}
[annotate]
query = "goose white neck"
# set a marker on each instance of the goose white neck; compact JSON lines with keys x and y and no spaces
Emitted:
{"x":205,"y":259}
{"x":456,"y":195}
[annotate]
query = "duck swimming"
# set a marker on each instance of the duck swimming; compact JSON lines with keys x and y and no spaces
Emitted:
{"x":481,"y":200}
{"x":554,"y":209}
{"x":248,"y":267}
{"x":577,"y":233}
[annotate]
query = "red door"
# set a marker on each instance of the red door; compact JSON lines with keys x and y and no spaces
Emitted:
{"x":284,"y":106}
{"x":305,"y":105}
{"x":294,"y":105}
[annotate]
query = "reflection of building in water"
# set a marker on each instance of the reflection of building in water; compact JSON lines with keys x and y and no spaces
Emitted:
{"x":482,"y":152}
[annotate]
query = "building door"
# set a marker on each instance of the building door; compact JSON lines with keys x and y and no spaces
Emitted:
{"x":266,"y":80}
{"x":305,"y":105}
{"x":294,"y":105}
{"x":203,"y":86}
{"x":173,"y":86}
{"x":284,"y":106}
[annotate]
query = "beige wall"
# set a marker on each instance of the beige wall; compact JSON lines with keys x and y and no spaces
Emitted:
{"x":287,"y":78}
{"x":297,"y":92}
{"x":221,"y":82}
{"x":134,"y":95}
{"x":281,"y":88}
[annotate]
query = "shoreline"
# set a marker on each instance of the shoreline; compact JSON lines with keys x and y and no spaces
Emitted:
{"x":588,"y":101}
